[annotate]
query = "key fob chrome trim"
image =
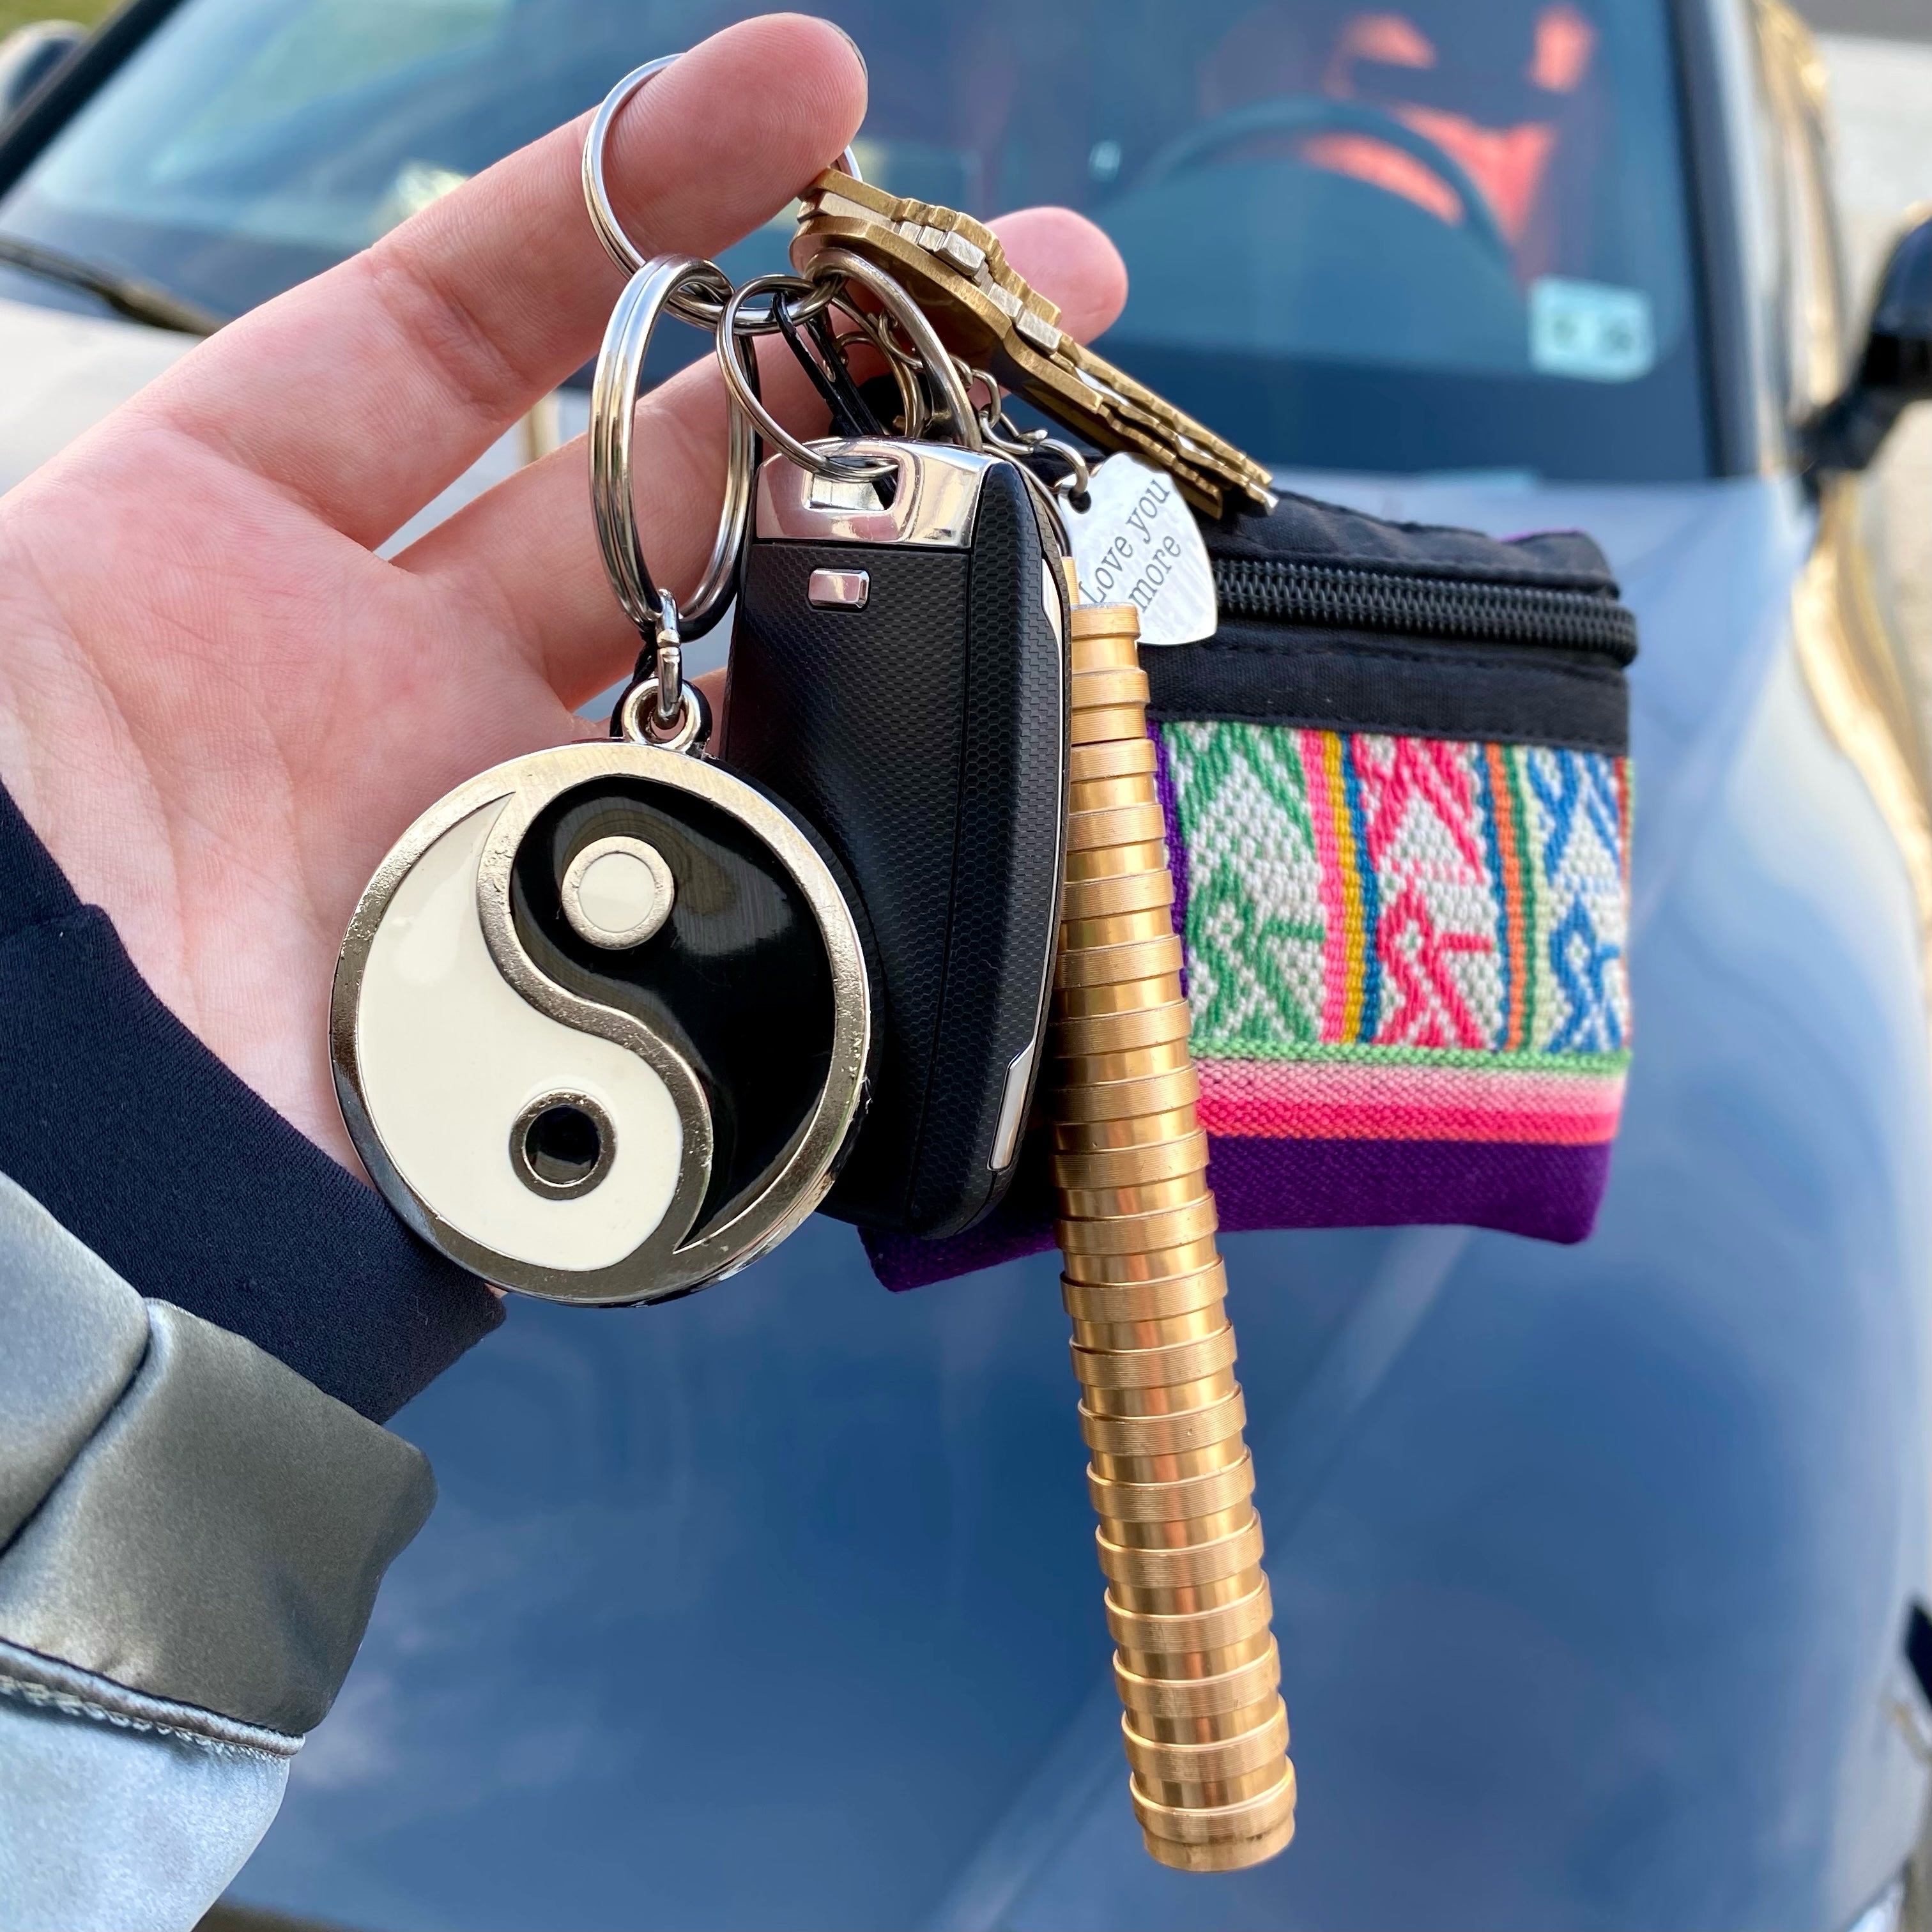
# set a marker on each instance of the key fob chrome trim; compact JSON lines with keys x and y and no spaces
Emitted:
{"x":932,"y":503}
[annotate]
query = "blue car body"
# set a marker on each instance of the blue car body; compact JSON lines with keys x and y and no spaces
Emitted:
{"x":1591,"y":1566}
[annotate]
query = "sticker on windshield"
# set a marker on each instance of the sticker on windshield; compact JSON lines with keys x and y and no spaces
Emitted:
{"x":1590,"y":330}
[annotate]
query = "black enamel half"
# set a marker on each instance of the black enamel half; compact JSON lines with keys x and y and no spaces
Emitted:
{"x":737,"y":979}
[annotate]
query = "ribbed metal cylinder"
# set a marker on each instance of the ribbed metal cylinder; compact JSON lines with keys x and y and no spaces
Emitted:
{"x":1180,"y":1543}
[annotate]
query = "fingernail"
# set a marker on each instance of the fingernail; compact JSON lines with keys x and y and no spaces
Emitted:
{"x":859,"y":51}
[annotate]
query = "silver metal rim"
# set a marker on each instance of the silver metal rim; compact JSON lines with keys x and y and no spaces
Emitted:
{"x":607,"y":1145}
{"x":617,"y":245}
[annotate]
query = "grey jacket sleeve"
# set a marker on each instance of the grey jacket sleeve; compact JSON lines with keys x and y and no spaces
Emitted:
{"x":191,"y":1536}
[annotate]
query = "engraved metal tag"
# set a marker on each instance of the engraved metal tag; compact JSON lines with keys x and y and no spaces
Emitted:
{"x":1138,"y":543}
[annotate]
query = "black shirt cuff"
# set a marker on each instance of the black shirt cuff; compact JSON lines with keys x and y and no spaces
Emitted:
{"x":184,"y":1181}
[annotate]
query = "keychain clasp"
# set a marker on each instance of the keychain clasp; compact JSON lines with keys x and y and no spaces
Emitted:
{"x":662,"y":622}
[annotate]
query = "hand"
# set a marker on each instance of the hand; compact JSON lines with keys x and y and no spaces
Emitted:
{"x":219,"y":707}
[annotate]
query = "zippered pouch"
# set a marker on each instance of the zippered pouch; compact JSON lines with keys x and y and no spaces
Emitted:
{"x":1397,"y":790}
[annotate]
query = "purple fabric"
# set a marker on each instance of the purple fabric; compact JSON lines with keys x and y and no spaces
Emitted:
{"x":1549,"y":1192}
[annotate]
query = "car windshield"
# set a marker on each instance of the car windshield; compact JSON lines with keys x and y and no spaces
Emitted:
{"x":1441,"y":235}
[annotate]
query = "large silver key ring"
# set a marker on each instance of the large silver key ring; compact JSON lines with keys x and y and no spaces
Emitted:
{"x":617,"y":245}
{"x":829,"y":268}
{"x":660,"y":621}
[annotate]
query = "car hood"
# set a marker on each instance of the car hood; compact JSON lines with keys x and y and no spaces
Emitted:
{"x":1708,"y":567}
{"x":64,"y":372}
{"x":850,"y":1528}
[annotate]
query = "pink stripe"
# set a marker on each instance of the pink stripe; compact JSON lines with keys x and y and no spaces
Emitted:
{"x":1317,"y":1100}
{"x":1311,"y":746}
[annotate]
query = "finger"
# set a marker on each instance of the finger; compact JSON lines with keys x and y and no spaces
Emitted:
{"x":522,"y":559}
{"x":365,"y":391}
{"x":524,"y":553}
{"x":711,"y":683}
{"x":1071,"y":263}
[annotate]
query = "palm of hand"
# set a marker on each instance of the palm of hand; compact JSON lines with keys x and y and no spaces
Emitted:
{"x":218,"y":706}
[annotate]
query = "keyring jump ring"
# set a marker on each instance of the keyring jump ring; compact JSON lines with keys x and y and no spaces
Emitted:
{"x":915,"y":407}
{"x":934,"y":356}
{"x":906,"y":358}
{"x":613,"y":398}
{"x":617,"y":245}
{"x":813,"y":299}
{"x":631,"y":717}
{"x":1079,"y":473}
{"x":913,"y":410}
{"x":936,"y":363}
{"x":994,"y":406}
{"x":733,"y":345}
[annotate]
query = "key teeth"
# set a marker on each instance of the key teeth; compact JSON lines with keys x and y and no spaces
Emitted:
{"x":963,"y":273}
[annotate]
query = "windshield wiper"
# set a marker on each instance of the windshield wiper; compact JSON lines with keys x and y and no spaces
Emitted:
{"x":125,"y":295}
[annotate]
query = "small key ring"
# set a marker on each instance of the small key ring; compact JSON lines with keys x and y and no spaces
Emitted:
{"x":693,"y":721}
{"x":833,"y":265}
{"x":613,"y":398}
{"x":617,"y":245}
{"x":734,"y":329}
{"x":936,"y":359}
{"x":813,"y":299}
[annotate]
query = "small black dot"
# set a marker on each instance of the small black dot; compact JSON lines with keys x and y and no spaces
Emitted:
{"x":562,"y":1144}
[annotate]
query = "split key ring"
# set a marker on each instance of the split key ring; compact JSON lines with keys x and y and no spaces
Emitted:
{"x":663,"y":625}
{"x":700,"y":312}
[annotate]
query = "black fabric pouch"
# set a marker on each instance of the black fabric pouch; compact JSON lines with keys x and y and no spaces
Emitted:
{"x":1397,"y":792}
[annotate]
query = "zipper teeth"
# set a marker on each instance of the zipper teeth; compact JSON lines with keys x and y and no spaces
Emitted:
{"x":1384,"y":600}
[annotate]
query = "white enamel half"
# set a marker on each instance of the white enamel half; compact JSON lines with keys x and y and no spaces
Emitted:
{"x":450,"y":1055}
{"x":1137,"y":543}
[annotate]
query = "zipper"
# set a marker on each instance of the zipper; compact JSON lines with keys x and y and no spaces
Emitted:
{"x":1348,"y":597}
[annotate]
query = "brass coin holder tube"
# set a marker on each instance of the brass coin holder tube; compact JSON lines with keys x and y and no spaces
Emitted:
{"x":1170,"y":1476}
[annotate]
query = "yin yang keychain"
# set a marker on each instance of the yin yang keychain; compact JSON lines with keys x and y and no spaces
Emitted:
{"x":601,"y":1022}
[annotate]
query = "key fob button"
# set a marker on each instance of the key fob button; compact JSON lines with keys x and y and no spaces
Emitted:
{"x":833,"y":590}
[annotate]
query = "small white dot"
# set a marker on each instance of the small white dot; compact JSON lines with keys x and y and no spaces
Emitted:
{"x":617,"y":892}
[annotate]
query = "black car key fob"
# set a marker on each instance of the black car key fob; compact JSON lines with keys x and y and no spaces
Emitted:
{"x":898,"y":676}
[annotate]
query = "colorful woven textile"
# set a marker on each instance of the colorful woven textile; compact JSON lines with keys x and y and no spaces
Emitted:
{"x":1404,"y":960}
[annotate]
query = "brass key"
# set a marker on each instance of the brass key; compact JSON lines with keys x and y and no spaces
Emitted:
{"x":956,"y":269}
